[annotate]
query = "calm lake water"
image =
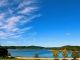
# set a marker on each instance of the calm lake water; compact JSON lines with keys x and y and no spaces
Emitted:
{"x":31,"y":53}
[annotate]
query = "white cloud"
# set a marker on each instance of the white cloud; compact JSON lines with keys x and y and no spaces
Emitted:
{"x":3,"y":3}
{"x":1,"y":23}
{"x":20,"y":31}
{"x":30,"y":18}
{"x":2,"y":34}
{"x":25,"y":3}
{"x":10,"y":11}
{"x":15,"y":36}
{"x":28,"y":10}
{"x":34,"y":16}
{"x":11,"y":23}
{"x":14,"y":17}
{"x":2,"y":15}
{"x":15,"y":29}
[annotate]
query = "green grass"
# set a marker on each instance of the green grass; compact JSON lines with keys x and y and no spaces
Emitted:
{"x":17,"y":59}
{"x":20,"y":59}
{"x":8,"y":59}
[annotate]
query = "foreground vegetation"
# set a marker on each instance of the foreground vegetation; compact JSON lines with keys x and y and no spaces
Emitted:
{"x":3,"y":52}
{"x":75,"y":54}
{"x":8,"y":59}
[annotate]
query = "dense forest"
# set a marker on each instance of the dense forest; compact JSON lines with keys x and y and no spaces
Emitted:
{"x":68,"y":47}
{"x":24,"y":47}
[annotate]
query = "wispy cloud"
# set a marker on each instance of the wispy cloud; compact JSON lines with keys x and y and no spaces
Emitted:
{"x":2,"y":15}
{"x":10,"y":11}
{"x":68,"y":33}
{"x":28,"y":10}
{"x":3,"y":3}
{"x":13,"y":17}
{"x":26,"y":3}
{"x":10,"y":42}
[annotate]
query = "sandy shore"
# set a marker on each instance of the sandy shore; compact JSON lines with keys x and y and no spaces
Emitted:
{"x":28,"y":58}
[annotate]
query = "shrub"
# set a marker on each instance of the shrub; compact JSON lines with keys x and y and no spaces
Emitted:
{"x":36,"y":56}
{"x":75,"y":54}
{"x":65,"y":53}
{"x":55,"y":53}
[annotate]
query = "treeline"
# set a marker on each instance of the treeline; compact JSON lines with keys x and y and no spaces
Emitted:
{"x":68,"y":47}
{"x":24,"y":47}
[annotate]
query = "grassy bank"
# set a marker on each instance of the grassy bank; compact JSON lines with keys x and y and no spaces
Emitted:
{"x":9,"y":59}
{"x":36,"y":59}
{"x":28,"y":58}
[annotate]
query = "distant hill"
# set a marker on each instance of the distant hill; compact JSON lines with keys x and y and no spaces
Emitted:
{"x":25,"y":47}
{"x":68,"y":47}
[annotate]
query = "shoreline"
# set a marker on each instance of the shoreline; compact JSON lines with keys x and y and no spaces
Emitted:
{"x":44,"y":58}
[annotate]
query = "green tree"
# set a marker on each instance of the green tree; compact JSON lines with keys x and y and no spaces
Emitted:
{"x":65,"y":53}
{"x":3,"y":52}
{"x":75,"y":54}
{"x":55,"y":53}
{"x":36,"y":56}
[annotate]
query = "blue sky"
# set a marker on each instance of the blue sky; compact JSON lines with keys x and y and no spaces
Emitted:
{"x":48,"y":23}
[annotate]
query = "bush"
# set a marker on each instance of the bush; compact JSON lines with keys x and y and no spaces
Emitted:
{"x":36,"y":56}
{"x":65,"y":53}
{"x":55,"y":53}
{"x":75,"y":54}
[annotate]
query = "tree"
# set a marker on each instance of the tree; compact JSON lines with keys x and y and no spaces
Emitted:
{"x":65,"y":53}
{"x":36,"y":55}
{"x":55,"y":53}
{"x":3,"y":52}
{"x":75,"y":54}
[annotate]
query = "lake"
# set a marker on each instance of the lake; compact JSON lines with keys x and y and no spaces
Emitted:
{"x":31,"y":53}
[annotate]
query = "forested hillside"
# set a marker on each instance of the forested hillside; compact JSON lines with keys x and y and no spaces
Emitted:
{"x":68,"y":47}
